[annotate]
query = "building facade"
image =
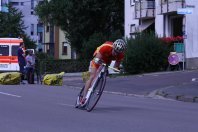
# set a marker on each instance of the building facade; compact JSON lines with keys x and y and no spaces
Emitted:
{"x":30,"y":19}
{"x":164,"y":18}
{"x":49,"y":39}
{"x":55,"y":43}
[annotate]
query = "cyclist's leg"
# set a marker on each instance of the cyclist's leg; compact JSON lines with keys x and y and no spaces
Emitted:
{"x":93,"y":71}
{"x":90,"y":80}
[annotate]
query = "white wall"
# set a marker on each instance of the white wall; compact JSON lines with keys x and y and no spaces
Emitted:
{"x":28,"y":18}
{"x":61,"y":40}
{"x":159,"y":25}
{"x":192,"y":31}
{"x":129,"y":17}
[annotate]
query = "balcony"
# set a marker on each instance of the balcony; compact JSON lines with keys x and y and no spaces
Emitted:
{"x":144,"y":9}
{"x":169,"y":6}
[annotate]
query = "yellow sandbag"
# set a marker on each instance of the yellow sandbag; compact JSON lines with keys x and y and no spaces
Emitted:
{"x":85,"y":76}
{"x":10,"y":78}
{"x":54,"y":79}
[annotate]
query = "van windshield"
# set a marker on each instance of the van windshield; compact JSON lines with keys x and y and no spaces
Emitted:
{"x":15,"y":50}
{"x":4,"y":50}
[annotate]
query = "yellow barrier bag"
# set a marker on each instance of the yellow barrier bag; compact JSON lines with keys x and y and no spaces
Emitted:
{"x":54,"y":79}
{"x":10,"y":78}
{"x":85,"y":76}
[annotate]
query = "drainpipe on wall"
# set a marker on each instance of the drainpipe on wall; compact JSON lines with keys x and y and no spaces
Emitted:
{"x":167,"y":3}
{"x":164,"y":26}
{"x":140,"y":14}
{"x":184,"y":35}
{"x":161,"y":7}
{"x":56,"y":42}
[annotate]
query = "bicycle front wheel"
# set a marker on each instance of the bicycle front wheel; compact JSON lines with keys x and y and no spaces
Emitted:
{"x":96,"y":93}
{"x":80,"y":95}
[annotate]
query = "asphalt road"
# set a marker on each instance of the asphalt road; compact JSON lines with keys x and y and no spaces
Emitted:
{"x":40,"y":108}
{"x":146,"y":84}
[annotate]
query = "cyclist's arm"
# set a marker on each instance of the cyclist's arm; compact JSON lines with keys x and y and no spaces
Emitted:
{"x":119,"y":60}
{"x":98,"y":56}
{"x":117,"y":64}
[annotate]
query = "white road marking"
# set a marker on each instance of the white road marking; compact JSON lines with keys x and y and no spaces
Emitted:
{"x":10,"y":94}
{"x":194,"y":79}
{"x":66,"y":104}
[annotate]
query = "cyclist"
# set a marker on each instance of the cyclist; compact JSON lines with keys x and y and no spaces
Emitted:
{"x":105,"y":53}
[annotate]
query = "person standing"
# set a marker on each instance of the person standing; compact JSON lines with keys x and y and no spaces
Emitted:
{"x":21,"y":60}
{"x":30,"y":67}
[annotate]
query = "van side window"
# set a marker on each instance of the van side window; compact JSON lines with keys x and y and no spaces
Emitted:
{"x":4,"y":50}
{"x":14,"y":50}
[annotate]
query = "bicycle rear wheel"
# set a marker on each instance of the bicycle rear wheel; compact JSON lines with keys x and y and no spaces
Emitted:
{"x":96,"y":93}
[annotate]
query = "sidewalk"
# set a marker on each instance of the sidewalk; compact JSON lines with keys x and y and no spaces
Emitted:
{"x":177,"y":85}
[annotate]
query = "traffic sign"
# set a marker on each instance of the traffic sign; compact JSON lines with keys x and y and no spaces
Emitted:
{"x":173,"y":59}
{"x":184,"y":11}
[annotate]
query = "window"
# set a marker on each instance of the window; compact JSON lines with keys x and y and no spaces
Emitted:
{"x":164,"y":1}
{"x":5,"y":2}
{"x":47,"y":28}
{"x":65,"y":46}
{"x":32,"y":29}
{"x":22,"y":3}
{"x":14,"y":50}
{"x":4,"y":50}
{"x":132,"y":28}
{"x":41,"y":2}
{"x":132,"y":2}
{"x":32,"y":12}
{"x":14,"y":3}
{"x":32,"y":4}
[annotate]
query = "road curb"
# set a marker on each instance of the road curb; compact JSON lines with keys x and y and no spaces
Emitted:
{"x":185,"y":98}
{"x":196,"y":99}
{"x":178,"y":97}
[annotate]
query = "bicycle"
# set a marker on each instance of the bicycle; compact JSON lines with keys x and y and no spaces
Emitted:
{"x":95,"y":91}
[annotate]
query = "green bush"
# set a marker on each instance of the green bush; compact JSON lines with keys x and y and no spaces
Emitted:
{"x":41,"y":60}
{"x":43,"y":56}
{"x":145,"y":53}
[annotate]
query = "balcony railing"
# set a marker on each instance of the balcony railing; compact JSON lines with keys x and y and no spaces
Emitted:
{"x":170,"y":1}
{"x":144,"y":9}
{"x":144,"y":5}
{"x":168,"y":6}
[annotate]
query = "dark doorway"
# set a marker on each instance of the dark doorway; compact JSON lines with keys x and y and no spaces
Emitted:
{"x":177,"y":23}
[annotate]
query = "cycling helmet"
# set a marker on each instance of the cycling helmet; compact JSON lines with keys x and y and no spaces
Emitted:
{"x":119,"y":45}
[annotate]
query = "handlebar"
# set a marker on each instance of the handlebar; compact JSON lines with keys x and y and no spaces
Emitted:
{"x":98,"y":61}
{"x":115,"y":69}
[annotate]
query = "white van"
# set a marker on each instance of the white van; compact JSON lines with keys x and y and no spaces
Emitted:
{"x":8,"y":54}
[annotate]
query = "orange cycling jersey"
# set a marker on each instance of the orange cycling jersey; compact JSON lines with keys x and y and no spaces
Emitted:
{"x":106,"y":52}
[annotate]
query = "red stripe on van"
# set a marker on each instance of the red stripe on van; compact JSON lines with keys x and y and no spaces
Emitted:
{"x":8,"y":59}
{"x":14,"y":59}
{"x":11,"y":40}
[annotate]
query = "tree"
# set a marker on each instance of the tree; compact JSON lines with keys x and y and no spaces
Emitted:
{"x":12,"y":25}
{"x":81,"y":19}
{"x":44,"y":12}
